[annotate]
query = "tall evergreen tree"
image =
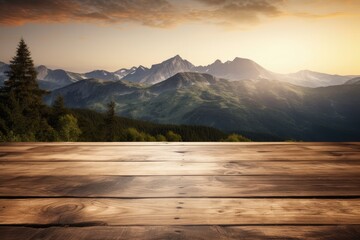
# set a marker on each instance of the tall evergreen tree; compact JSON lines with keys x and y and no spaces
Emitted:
{"x":22,"y":78}
{"x":23,"y":96}
{"x":110,"y":123}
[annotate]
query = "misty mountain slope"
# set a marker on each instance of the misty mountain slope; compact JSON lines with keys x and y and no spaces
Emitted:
{"x":264,"y":106}
{"x":77,"y":93}
{"x":161,"y":71}
{"x":312,"y":79}
{"x":91,"y":92}
{"x":243,"y":69}
{"x":353,"y":81}
{"x":183,"y":80}
{"x":238,"y":69}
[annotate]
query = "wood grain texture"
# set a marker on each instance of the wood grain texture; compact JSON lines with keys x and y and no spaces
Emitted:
{"x":179,"y":186}
{"x":177,"y":156}
{"x":184,"y":232}
{"x":190,"y":153}
{"x":181,"y":168}
{"x":183,"y":211}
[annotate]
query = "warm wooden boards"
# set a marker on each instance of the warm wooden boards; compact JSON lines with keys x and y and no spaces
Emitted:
{"x":179,"y":186}
{"x":181,"y":168}
{"x":181,"y":152}
{"x":180,"y":191}
{"x":174,"y":211}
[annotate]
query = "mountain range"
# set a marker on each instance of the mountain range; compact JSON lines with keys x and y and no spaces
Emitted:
{"x":236,"y":70}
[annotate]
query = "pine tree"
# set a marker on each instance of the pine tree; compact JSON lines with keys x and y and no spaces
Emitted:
{"x":23,"y":96}
{"x":22,"y":78}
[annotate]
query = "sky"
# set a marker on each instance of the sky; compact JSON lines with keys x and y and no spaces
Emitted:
{"x":281,"y":35}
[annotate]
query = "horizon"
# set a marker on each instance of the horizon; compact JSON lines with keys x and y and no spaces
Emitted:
{"x":283,"y":36}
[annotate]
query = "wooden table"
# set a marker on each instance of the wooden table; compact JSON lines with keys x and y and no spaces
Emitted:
{"x":179,"y":191}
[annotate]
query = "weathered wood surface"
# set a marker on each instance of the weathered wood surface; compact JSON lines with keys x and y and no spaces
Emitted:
{"x":181,"y":168}
{"x":180,"y":191}
{"x":222,"y":152}
{"x":167,"y":156}
{"x":174,"y":211}
{"x":179,"y":186}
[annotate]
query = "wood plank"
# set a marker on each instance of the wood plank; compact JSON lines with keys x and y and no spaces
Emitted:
{"x":233,"y":155}
{"x":49,"y":147}
{"x":329,"y":168}
{"x":74,"y":154}
{"x":183,"y":232}
{"x":171,"y":156}
{"x":179,"y":186}
{"x":179,"y":211}
{"x":169,"y":153}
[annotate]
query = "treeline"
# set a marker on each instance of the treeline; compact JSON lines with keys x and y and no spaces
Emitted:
{"x":95,"y":127}
{"x":24,"y":116}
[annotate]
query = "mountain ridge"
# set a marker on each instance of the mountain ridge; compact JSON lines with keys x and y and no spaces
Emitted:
{"x":236,"y":70}
{"x":161,"y":71}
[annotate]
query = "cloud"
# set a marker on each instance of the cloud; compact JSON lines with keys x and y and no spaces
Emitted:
{"x":154,"y":13}
{"x":233,"y":12}
{"x":159,"y":13}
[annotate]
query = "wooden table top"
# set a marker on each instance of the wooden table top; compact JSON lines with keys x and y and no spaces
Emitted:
{"x":103,"y":191}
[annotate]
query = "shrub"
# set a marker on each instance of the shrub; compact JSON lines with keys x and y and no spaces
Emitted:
{"x":236,"y":138}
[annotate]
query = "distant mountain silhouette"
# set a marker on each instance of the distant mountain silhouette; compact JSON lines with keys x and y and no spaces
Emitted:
{"x":236,"y":70}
